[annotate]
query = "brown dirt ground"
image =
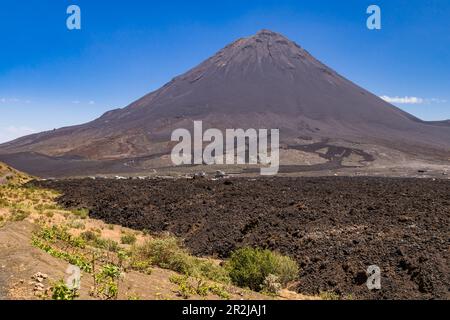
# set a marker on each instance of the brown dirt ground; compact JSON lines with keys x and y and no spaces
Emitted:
{"x":19,"y":261}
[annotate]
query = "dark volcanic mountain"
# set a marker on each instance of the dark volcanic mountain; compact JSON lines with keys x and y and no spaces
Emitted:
{"x":265,"y":81}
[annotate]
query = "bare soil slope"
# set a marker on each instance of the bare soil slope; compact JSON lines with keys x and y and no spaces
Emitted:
{"x":20,"y":261}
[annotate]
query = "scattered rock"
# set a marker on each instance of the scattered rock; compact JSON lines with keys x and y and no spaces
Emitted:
{"x":200,"y":174}
{"x":405,"y":219}
{"x":39,"y":287}
{"x":220,"y":174}
{"x":39,"y":277}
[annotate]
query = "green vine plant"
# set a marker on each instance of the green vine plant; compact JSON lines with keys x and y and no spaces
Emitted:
{"x":60,"y":291}
{"x":106,"y":282}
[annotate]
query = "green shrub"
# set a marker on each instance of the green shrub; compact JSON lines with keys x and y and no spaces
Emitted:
{"x":60,"y":233}
{"x":142,"y":266}
{"x":168,"y":253}
{"x":211,"y":271}
{"x":128,"y":238}
{"x":76,"y":224}
{"x":19,"y":215}
{"x":220,"y":291}
{"x":188,"y":287}
{"x":93,"y":239}
{"x":106,"y":244}
{"x":44,"y":206}
{"x":329,"y":295}
{"x":75,"y":259}
{"x":81,"y":213}
{"x":165,"y":253}
{"x":185,"y":288}
{"x":271,"y":285}
{"x":60,"y":291}
{"x":89,"y":236}
{"x":107,"y":282}
{"x":49,"y":214}
{"x":250,"y":267}
{"x":287,"y":269}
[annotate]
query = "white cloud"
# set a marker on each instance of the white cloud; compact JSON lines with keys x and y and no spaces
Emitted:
{"x":4,"y":100}
{"x":437,"y":100}
{"x":91,"y":102}
{"x":412,"y":100}
{"x":403,"y":100}
{"x":13,"y":132}
{"x":14,"y":100}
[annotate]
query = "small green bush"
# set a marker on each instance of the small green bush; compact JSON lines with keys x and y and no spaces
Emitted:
{"x":19,"y":215}
{"x":211,"y":271}
{"x":93,"y":239}
{"x":287,"y":269}
{"x":250,"y":267}
{"x":329,"y":295}
{"x":188,"y":287}
{"x":271,"y":285}
{"x":89,"y":235}
{"x":75,"y":224}
{"x":81,"y":213}
{"x":166,"y":253}
{"x":128,"y":238}
{"x":106,"y":244}
{"x":107,"y":282}
{"x":60,"y":291}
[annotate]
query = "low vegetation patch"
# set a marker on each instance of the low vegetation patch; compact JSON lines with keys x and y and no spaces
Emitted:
{"x":75,"y":242}
{"x":93,"y":239}
{"x":167,"y":252}
{"x":257,"y":269}
{"x":60,"y":291}
{"x":81,"y":213}
{"x":188,"y":287}
{"x":128,"y":238}
{"x":106,"y":282}
{"x":18,"y":215}
{"x":73,"y":258}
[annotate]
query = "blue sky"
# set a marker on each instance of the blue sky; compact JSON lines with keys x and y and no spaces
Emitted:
{"x":52,"y":77}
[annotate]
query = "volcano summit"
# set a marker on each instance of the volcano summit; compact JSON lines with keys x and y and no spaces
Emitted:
{"x":264,"y":81}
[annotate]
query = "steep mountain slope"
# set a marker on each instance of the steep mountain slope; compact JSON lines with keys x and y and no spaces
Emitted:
{"x":264,"y":81}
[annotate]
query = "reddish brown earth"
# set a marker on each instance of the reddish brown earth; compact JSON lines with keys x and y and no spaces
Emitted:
{"x":335,"y":227}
